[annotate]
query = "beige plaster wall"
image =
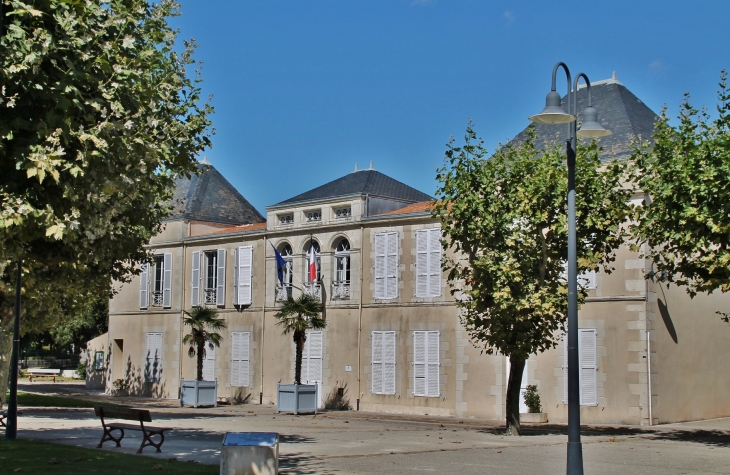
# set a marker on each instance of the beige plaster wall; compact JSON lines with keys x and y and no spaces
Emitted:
{"x":690,"y":351}
{"x":96,"y":378}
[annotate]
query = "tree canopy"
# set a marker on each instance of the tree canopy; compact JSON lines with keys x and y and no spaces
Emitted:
{"x":685,"y":222}
{"x":505,"y":219}
{"x":98,"y":115}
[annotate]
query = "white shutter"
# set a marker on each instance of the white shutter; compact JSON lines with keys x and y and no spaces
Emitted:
{"x":243,"y":280}
{"x":195,"y":285}
{"x":220,"y":293}
{"x":422,"y":263}
{"x":153,"y":367}
{"x":434,"y":263}
{"x":209,"y":363}
{"x":167,"y":281}
{"x":419,"y":363}
{"x":392,"y":266}
{"x":314,"y":358}
{"x":565,"y":368}
{"x":432,"y":373}
{"x":377,"y":363}
{"x":240,"y":365}
{"x":588,"y":367}
{"x":380,"y":263}
{"x":235,"y":276}
{"x":144,"y":286}
{"x":389,"y":362}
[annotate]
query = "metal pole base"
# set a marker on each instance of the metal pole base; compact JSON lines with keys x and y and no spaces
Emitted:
{"x":575,"y":458}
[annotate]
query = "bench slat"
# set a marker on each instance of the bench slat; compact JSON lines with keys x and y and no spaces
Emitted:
{"x":141,"y":415}
{"x":43,"y":371}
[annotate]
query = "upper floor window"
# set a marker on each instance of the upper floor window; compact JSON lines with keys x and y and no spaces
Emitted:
{"x":211,"y":277}
{"x":341,"y":282}
{"x":314,"y":215}
{"x":313,"y":261}
{"x":208,"y":273}
{"x":286,"y":218}
{"x":158,"y":277}
{"x":386,"y":266}
{"x":428,"y":263}
{"x":283,"y":290}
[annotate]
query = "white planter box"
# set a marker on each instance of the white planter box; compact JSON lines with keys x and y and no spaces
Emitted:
{"x":250,"y":453}
{"x":199,"y":393}
{"x":296,"y":398}
{"x":534,"y":418}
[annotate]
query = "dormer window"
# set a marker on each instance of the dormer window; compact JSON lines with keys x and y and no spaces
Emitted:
{"x":285,"y":219}
{"x":314,"y":216}
{"x":343,"y":212}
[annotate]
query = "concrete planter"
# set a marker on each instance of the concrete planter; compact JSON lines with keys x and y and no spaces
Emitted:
{"x":296,"y":398}
{"x":199,"y":393}
{"x":533,"y":417}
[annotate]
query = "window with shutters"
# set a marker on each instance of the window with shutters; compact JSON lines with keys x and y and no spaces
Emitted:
{"x":209,"y":363}
{"x":341,"y":282}
{"x":428,"y":263}
{"x":383,"y":362}
{"x":158,"y":275}
{"x":153,"y":358}
{"x":426,"y":363}
{"x":243,"y":276}
{"x":588,"y":364}
{"x":312,"y":358}
{"x":284,"y":288}
{"x":386,"y":266}
{"x":240,"y":366}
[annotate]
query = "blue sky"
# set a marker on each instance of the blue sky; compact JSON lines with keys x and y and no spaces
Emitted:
{"x":304,"y":90}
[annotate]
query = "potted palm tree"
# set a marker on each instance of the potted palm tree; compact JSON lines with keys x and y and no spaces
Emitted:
{"x":204,"y":324}
{"x":296,"y":316}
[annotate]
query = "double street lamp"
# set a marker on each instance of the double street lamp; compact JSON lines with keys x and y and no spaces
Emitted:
{"x":590,"y":128}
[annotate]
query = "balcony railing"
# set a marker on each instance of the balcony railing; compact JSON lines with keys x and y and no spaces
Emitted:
{"x":341,"y":290}
{"x":283,"y":292}
{"x":157,"y":298}
{"x":312,"y":289}
{"x":211,"y":296}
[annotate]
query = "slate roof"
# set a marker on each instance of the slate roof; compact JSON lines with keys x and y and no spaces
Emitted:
{"x":209,"y":197}
{"x":619,"y":111}
{"x":363,"y":182}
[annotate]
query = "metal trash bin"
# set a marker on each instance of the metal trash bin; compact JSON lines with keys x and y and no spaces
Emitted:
{"x":250,"y":453}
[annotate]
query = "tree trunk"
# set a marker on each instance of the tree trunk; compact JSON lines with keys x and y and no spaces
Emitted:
{"x":517,"y":367}
{"x":6,"y":351}
{"x":200,"y":355}
{"x":299,"y":339}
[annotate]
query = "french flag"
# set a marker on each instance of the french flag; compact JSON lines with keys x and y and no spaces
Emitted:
{"x":313,"y":267}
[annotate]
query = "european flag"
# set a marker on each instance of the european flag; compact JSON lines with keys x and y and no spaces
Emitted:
{"x":280,"y":264}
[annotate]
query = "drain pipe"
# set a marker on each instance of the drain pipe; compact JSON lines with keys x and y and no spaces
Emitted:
{"x":182,"y":308}
{"x":359,"y":319}
{"x":648,"y":370}
{"x":263,"y":325}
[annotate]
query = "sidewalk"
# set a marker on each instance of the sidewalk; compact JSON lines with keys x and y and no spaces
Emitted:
{"x":376,"y":443}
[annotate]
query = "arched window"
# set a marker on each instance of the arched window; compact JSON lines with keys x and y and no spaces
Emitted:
{"x":312,"y":246}
{"x":284,"y":288}
{"x":342,"y":262}
{"x":341,"y":282}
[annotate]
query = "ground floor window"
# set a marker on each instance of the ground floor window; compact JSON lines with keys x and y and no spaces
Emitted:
{"x":588,"y":365}
{"x":383,"y":362}
{"x":153,"y":358}
{"x":240,"y":367}
{"x":426,"y":363}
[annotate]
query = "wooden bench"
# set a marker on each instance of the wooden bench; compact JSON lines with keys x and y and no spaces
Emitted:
{"x":139,"y":415}
{"x":42,"y":373}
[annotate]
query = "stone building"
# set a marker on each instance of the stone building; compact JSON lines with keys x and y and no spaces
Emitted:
{"x":649,"y":354}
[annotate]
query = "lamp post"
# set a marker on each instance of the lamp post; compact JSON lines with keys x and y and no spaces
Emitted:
{"x":11,"y":429}
{"x":555,"y":114}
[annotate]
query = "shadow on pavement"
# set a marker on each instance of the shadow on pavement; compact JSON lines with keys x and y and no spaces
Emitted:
{"x":298,"y":463}
{"x":714,"y":438}
{"x":296,"y":439}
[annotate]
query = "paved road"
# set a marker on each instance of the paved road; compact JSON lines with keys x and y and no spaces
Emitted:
{"x":367,"y":443}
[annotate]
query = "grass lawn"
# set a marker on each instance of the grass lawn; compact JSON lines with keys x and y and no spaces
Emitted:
{"x":40,"y":400}
{"x":34,"y":457}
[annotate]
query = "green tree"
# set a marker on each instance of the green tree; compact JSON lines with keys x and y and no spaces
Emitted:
{"x":505,"y":219}
{"x":204,"y":324}
{"x":97,"y":117}
{"x":684,"y":225}
{"x":297,"y":316}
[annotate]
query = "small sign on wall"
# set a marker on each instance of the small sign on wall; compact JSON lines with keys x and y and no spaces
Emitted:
{"x":348,"y":368}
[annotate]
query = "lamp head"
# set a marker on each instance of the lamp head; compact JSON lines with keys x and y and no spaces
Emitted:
{"x":553,"y":112}
{"x":590,"y":128}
